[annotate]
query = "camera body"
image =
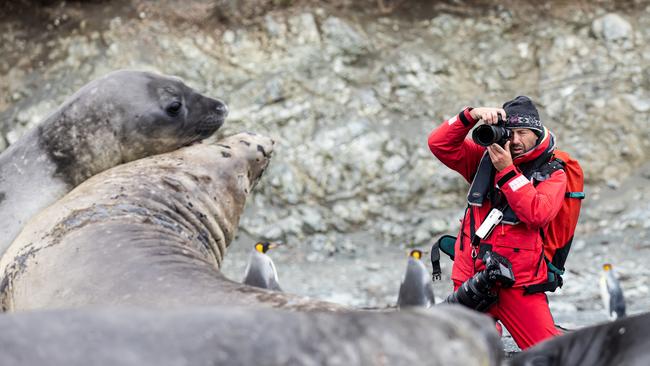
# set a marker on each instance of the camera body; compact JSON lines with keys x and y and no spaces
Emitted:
{"x":486,"y":135}
{"x":478,"y":292}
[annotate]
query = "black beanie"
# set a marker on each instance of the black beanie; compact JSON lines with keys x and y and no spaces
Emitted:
{"x":521,"y":113}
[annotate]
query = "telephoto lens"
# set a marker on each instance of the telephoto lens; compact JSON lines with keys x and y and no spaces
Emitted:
{"x":475,"y":293}
{"x":478,"y":292}
{"x":486,"y":135}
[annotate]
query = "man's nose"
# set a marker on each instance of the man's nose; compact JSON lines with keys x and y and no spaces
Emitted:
{"x":514,"y":139}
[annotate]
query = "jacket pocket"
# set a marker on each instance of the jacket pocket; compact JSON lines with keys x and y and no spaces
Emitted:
{"x":524,"y":260}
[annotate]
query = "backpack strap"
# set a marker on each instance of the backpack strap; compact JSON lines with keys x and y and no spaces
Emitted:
{"x":446,"y":245}
{"x":552,"y":165}
{"x":578,"y":195}
{"x":554,"y":281}
{"x":435,"y":261}
{"x":545,"y":171}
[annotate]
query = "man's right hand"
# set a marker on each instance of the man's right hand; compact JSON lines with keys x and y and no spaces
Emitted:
{"x":489,"y":115}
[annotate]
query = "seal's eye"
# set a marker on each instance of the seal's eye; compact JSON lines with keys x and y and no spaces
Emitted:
{"x":173,"y":108}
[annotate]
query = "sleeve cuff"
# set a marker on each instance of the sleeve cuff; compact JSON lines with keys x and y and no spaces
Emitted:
{"x":466,"y":117}
{"x":506,"y":175}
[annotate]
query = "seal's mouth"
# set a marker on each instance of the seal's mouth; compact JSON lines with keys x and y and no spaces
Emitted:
{"x":209,"y":125}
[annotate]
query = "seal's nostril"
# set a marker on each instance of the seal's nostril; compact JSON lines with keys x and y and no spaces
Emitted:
{"x":222,"y":109}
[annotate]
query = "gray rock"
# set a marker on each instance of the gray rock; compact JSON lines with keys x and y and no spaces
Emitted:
{"x":313,"y":220}
{"x":394,"y":164}
{"x":638,"y":102}
{"x":304,"y":28}
{"x":612,"y":27}
{"x":273,"y":27}
{"x":342,"y":38}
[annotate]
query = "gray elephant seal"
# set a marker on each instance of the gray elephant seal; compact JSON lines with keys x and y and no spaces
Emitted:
{"x":121,"y":117}
{"x":621,"y":342}
{"x":241,"y":337}
{"x":152,"y":232}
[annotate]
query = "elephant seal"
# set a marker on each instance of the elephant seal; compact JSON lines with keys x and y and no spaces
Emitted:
{"x":152,"y":232}
{"x":621,"y":342}
{"x":123,"y":116}
{"x":240,"y":337}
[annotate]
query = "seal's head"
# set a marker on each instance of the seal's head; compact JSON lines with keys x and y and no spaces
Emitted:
{"x":255,"y":151}
{"x":124,"y":116}
{"x":168,"y":112}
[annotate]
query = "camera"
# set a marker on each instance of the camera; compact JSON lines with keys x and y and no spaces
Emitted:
{"x":486,"y":135}
{"x":478,"y":292}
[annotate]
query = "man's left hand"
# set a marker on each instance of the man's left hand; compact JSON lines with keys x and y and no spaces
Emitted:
{"x":500,"y":156}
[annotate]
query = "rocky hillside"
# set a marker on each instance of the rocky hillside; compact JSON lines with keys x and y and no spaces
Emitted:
{"x":350,"y":92}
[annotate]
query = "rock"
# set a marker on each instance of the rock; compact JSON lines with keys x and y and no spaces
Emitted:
{"x":394,"y":164}
{"x":274,"y":28}
{"x":639,"y":103}
{"x":304,"y":29}
{"x":313,"y":220}
{"x":13,"y":135}
{"x":612,"y":27}
{"x":578,"y":245}
{"x":560,"y":306}
{"x":444,"y":24}
{"x":421,"y":236}
{"x":344,"y":39}
{"x":349,"y":211}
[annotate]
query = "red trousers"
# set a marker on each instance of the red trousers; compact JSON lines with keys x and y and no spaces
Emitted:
{"x":527,"y":317}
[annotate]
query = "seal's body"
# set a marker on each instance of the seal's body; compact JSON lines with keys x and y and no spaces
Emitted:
{"x":121,"y":117}
{"x":238,"y":336}
{"x":152,"y":232}
{"x":621,"y":342}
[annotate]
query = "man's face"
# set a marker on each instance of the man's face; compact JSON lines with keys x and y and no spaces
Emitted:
{"x":522,"y":140}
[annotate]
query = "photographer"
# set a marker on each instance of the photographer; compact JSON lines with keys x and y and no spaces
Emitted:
{"x":504,"y":177}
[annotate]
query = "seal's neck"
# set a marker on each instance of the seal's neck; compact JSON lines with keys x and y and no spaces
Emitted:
{"x":79,"y":150}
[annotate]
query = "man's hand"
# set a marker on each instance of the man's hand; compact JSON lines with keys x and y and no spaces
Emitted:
{"x":500,"y":156}
{"x":489,"y":115}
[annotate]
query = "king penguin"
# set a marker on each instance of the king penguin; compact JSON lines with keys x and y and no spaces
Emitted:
{"x":260,"y":270}
{"x":416,"y":288}
{"x":612,"y":293}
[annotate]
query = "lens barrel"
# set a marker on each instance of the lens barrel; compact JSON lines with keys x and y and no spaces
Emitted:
{"x":486,"y":135}
{"x":477,"y":293}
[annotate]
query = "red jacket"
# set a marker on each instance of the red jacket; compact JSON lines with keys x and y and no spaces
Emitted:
{"x":534,"y":205}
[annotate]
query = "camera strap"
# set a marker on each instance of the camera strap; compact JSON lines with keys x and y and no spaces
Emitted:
{"x":483,"y":179}
{"x":473,"y":239}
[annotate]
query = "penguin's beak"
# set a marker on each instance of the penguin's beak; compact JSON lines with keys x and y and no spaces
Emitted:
{"x":275,"y":244}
